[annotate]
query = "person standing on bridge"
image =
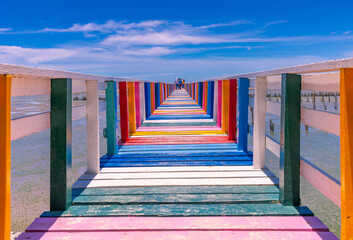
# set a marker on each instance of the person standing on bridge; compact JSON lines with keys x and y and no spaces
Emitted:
{"x":183,"y":83}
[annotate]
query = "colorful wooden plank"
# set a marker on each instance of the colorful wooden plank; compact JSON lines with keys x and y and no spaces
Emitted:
{"x":137,"y":104}
{"x":225,"y":106}
{"x":124,"y":118}
{"x":60,"y":144}
{"x":153,"y":97}
{"x":200,"y":95}
{"x":131,"y":107}
{"x":290,"y":140}
{"x":233,"y":111}
{"x":346,"y":120}
{"x":243,"y":113}
{"x":142,"y":102}
{"x":5,"y":156}
{"x":148,"y":99}
{"x":210,"y":99}
{"x":219,"y":106}
{"x":157,"y":95}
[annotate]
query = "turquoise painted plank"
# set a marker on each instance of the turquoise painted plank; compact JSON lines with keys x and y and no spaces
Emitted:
{"x":60,"y":144}
{"x":111,"y":117}
{"x":289,"y":170}
{"x":181,"y":210}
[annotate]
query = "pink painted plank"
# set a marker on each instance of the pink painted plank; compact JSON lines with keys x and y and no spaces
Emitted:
{"x":185,"y":235}
{"x":219,"y":107}
{"x":177,"y":223}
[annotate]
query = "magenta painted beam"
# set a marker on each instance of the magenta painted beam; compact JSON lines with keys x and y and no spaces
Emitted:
{"x":232,"y":109}
{"x":219,"y":107}
{"x":137,"y":104}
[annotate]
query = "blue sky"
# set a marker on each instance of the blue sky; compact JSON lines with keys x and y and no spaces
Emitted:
{"x":161,"y":40}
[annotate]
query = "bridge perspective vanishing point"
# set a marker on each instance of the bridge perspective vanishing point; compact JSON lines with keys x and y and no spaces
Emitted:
{"x":177,"y":164}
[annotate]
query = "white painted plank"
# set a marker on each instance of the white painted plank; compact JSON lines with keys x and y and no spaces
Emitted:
{"x":325,"y":121}
{"x":92,"y":113}
{"x":260,"y":123}
{"x":175,"y":175}
{"x":175,"y":182}
{"x":174,"y":169}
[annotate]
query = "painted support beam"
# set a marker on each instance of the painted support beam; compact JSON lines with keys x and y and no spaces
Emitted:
{"x":201,"y":94}
{"x":153,"y":99}
{"x":243,"y":113}
{"x":233,"y":111}
{"x":219,"y":107}
{"x":5,"y":156}
{"x":210,"y":98}
{"x":161,"y":93}
{"x":204,"y":100}
{"x":215,"y":100}
{"x":225,"y":106}
{"x":346,"y":133}
{"x":157,"y":94}
{"x":111,"y":116}
{"x":124,"y":118}
{"x":142,"y":102}
{"x":137,"y":104}
{"x":131,"y":106}
{"x":289,"y":167}
{"x":60,"y":144}
{"x":260,"y":123}
{"x":92,"y":113}
{"x":148,"y":99}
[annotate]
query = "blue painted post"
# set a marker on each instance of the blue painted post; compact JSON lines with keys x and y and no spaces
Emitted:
{"x":210,"y":98}
{"x":60,"y":144}
{"x":111,"y":116}
{"x":148,"y":99}
{"x":289,"y":163}
{"x":243,"y":103}
{"x":157,"y":94}
{"x":200,"y":93}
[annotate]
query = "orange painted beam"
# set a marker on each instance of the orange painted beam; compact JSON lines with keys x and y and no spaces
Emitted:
{"x":131,"y":106}
{"x":225,"y":106}
{"x":5,"y":156}
{"x":346,"y":134}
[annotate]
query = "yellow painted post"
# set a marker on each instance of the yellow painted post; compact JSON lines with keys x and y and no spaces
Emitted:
{"x":225,"y":106}
{"x":5,"y":157}
{"x":131,"y":107}
{"x":346,"y":133}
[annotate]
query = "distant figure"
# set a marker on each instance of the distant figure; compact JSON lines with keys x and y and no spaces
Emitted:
{"x":176,"y":82}
{"x":183,"y":83}
{"x":180,"y":82}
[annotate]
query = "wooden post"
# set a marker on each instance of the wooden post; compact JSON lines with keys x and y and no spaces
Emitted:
{"x":205,"y":91}
{"x":153,"y":100}
{"x":225,"y":106}
{"x":124,"y":118}
{"x":142,"y":102}
{"x":137,"y":104}
{"x":243,"y":113}
{"x":289,"y":168}
{"x":219,"y":107}
{"x":260,"y":123}
{"x":5,"y":156}
{"x":111,"y":116}
{"x":210,"y":98}
{"x":92,"y":113}
{"x":197,"y":93}
{"x":346,"y":132}
{"x":215,"y":100}
{"x":200,"y":94}
{"x":131,"y":106}
{"x":156,"y":95}
{"x":60,"y":144}
{"x":148,"y":99}
{"x":233,"y":111}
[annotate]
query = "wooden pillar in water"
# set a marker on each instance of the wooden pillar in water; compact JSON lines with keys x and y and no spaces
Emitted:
{"x":260,"y":123}
{"x":243,"y":114}
{"x":233,"y":110}
{"x":289,"y":169}
{"x":219,"y":107}
{"x":137,"y":104}
{"x":60,"y":144}
{"x":5,"y":156}
{"x":210,"y":98}
{"x":92,"y":113}
{"x":124,"y":118}
{"x":225,"y":106}
{"x":346,"y":133}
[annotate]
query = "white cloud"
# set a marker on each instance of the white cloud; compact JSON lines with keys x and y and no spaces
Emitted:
{"x":228,"y":24}
{"x":153,"y":51}
{"x":5,"y":30}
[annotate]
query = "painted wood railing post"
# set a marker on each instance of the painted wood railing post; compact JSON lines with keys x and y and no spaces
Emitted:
{"x":233,"y":110}
{"x":111,"y":116}
{"x":200,"y":94}
{"x":5,"y":156}
{"x":210,"y":98}
{"x":219,"y":107}
{"x":137,"y":104}
{"x":260,"y":123}
{"x":92,"y":113}
{"x":243,"y":113}
{"x":225,"y":106}
{"x":204,"y":101}
{"x":60,"y":144}
{"x":346,"y":131}
{"x":215,"y":100}
{"x":289,"y":168}
{"x":142,"y":102}
{"x":131,"y":107}
{"x":153,"y":98}
{"x":148,"y":99}
{"x":124,"y":118}
{"x":157,"y":97}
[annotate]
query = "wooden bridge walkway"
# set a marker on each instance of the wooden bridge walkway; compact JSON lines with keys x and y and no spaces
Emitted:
{"x":178,"y":177}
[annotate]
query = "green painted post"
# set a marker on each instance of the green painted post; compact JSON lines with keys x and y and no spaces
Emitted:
{"x":60,"y":144}
{"x":111,"y":116}
{"x":289,"y":174}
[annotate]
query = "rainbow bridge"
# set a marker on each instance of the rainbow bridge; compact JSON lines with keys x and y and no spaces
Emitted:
{"x":178,"y":164}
